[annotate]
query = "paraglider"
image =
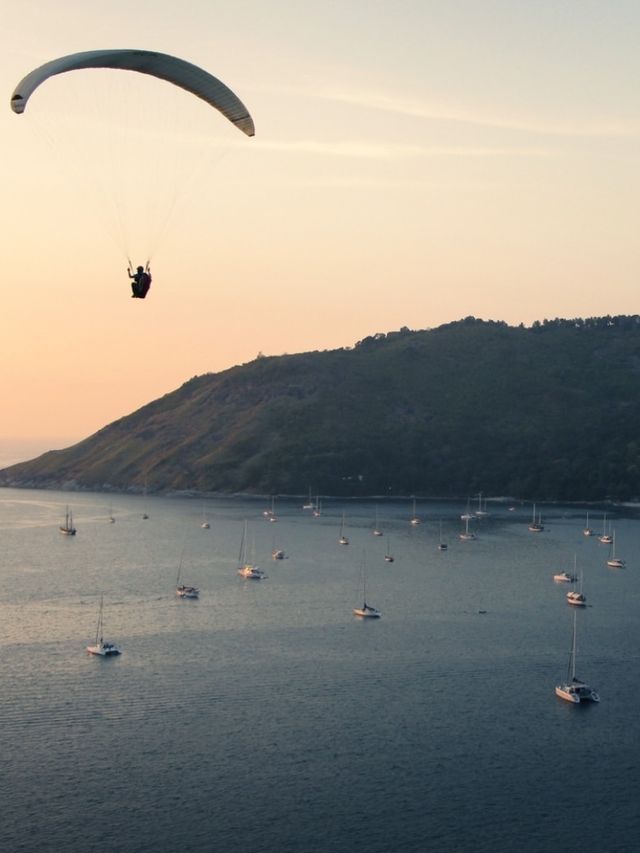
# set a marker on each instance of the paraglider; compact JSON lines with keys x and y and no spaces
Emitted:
{"x":140,"y":281}
{"x":177,"y":71}
{"x":182,"y":74}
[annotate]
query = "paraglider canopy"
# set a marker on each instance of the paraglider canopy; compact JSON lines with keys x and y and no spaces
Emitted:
{"x":177,"y":71}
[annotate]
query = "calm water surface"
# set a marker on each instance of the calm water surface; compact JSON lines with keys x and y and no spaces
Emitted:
{"x":265,"y":717}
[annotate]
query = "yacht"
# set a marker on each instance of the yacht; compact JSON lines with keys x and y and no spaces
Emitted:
{"x":415,"y":520}
{"x":615,"y":562}
{"x":100,"y":646}
{"x":606,"y":538}
{"x":588,"y":531}
{"x":277,"y":554}
{"x":245,"y":568}
{"x":574,"y":689}
{"x":367,"y":612}
{"x":536,"y":525}
{"x":564,"y":577}
{"x":466,"y":534}
{"x":343,"y":540}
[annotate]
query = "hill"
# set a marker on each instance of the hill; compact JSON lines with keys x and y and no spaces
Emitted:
{"x":547,"y":412}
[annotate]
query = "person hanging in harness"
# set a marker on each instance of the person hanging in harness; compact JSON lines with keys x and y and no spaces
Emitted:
{"x":140,"y":281}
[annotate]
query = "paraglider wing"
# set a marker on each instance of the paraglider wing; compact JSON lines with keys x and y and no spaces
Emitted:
{"x":177,"y":71}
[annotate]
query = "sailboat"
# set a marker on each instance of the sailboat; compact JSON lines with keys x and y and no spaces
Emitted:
{"x":366,"y":611}
{"x":376,"y":528}
{"x":309,"y":504}
{"x":442,"y":545}
{"x":615,"y":562}
{"x":271,"y":513}
{"x":575,"y":596}
{"x":414,"y":518}
{"x":343,"y":540}
{"x":277,"y":553}
{"x":317,"y":510}
{"x":100,"y":647}
{"x":536,"y":525}
{"x":111,"y":516}
{"x":481,"y":512}
{"x":466,"y":534}
{"x":246,"y":569}
{"x":467,"y":514}
{"x":205,"y":524}
{"x":67,"y":528}
{"x":565,"y":577}
{"x":182,"y":590}
{"x":389,"y":558}
{"x":574,"y":689}
{"x":587,"y":530}
{"x":606,"y":538}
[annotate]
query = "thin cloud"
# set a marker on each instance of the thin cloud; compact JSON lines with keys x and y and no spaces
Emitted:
{"x":437,"y":112}
{"x":392,"y":151}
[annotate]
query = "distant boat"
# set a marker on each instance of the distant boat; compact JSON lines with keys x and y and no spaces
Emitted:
{"x":481,"y":512}
{"x":536,"y":525}
{"x":277,"y":553}
{"x":565,"y":577}
{"x":67,"y":528}
{"x":309,"y":504}
{"x":317,"y":511}
{"x":110,"y":516}
{"x":574,"y":689}
{"x":467,"y":534}
{"x":343,"y":540}
{"x":606,"y":538}
{"x":388,"y":557}
{"x":442,"y":545}
{"x":576,"y":597}
{"x":246,"y":569}
{"x":414,"y":516}
{"x":587,"y":530}
{"x":183,"y":590}
{"x":366,"y":611}
{"x":145,"y":515}
{"x":615,"y":562}
{"x":205,"y":524}
{"x":100,"y":647}
{"x":270,"y":514}
{"x":376,"y":527}
{"x":467,"y":514}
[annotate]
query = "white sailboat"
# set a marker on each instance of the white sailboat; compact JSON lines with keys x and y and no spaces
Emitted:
{"x":389,"y":558}
{"x":481,"y":512}
{"x":366,"y":611}
{"x":573,"y":689}
{"x":415,"y":520}
{"x":587,"y":530}
{"x":565,"y":577}
{"x":100,"y":647}
{"x":317,"y":510}
{"x":467,"y":514}
{"x":615,"y":562}
{"x":606,"y":538}
{"x":536,"y":525}
{"x":67,"y":528}
{"x":576,"y":597}
{"x":205,"y":524}
{"x":343,"y":540}
{"x":247,"y":569}
{"x":111,"y":517}
{"x":309,"y":504}
{"x":466,"y":533}
{"x":376,"y":527}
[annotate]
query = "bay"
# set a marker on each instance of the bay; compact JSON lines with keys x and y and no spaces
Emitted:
{"x":265,"y":717}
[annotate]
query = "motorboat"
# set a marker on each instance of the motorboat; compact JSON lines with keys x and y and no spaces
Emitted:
{"x":564,"y":577}
{"x":184,"y":591}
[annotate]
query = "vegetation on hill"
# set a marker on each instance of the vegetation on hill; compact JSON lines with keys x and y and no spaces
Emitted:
{"x":550,"y":412}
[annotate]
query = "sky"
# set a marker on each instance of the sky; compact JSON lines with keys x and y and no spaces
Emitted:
{"x":414,"y":162}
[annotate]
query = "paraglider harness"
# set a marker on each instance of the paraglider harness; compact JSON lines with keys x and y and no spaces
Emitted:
{"x":141,"y":281}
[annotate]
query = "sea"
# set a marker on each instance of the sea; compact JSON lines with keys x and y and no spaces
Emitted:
{"x":265,"y":717}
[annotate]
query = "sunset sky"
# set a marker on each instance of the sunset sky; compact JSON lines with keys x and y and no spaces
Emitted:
{"x":414,"y":162}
